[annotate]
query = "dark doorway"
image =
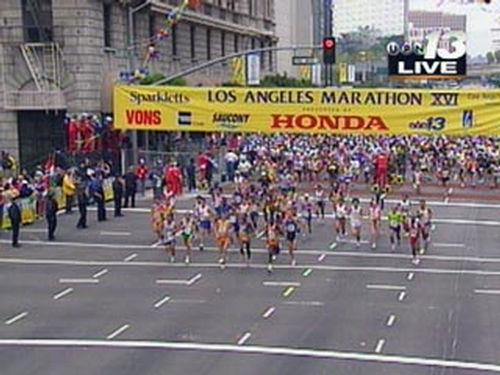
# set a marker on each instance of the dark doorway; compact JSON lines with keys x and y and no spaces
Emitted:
{"x":40,"y":133}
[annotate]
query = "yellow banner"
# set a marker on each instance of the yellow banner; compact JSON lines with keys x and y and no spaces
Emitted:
{"x":363,"y":111}
{"x":342,"y":72}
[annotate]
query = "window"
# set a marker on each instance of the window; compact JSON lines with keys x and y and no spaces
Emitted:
{"x":152,"y":26}
{"x":262,"y":57}
{"x":209,"y":41}
{"x":236,"y":42}
{"x":174,"y":40}
{"x":192,"y":31}
{"x":250,"y":7}
{"x":223,"y":43}
{"x":271,"y":59}
{"x":107,"y":24}
{"x":253,"y":43}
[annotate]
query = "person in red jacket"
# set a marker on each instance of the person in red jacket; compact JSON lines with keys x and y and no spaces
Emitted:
{"x":141,"y":172}
{"x":174,"y":179}
{"x":381,"y":162}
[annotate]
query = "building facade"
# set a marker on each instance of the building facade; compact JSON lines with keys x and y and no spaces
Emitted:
{"x":422,"y":23}
{"x":294,"y":26}
{"x":61,"y":57}
{"x":386,"y":16}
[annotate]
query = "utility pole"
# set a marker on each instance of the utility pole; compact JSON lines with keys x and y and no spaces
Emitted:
{"x":132,"y":64}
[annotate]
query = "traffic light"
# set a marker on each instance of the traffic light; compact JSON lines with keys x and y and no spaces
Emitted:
{"x":329,"y":50}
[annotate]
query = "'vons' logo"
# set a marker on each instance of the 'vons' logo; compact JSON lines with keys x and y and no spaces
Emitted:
{"x":158,"y":97}
{"x":142,"y":117}
{"x":325,"y":122}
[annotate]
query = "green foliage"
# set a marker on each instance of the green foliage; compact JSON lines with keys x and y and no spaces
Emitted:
{"x":490,"y":57}
{"x":497,"y":55}
{"x":156,"y":77}
{"x":279,"y":80}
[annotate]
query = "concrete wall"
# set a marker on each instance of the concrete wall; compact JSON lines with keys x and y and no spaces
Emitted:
{"x":10,"y":32}
{"x":294,"y":26}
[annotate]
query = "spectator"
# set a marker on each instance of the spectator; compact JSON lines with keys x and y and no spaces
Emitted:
{"x":68,"y":189}
{"x":118,"y":195}
{"x":82,"y":198}
{"x":98,"y":194}
{"x":51,"y":215}
{"x":191,"y":175}
{"x":14,"y":213}
{"x":141,"y":173}
{"x":130,"y":187}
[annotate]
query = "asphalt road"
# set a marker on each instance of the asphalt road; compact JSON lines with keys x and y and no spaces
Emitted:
{"x":107,"y":301}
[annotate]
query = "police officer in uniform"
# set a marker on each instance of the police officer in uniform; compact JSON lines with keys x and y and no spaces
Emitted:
{"x":83,"y":199}
{"x":51,"y":215}
{"x":118,"y":194}
{"x":14,"y":213}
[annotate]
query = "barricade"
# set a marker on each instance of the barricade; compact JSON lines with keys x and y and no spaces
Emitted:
{"x":28,"y":205}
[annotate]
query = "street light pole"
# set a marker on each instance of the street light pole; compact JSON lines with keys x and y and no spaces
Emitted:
{"x":132,"y":63}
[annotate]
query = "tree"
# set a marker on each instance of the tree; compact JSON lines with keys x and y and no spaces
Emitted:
{"x":490,"y":57}
{"x":497,"y":56}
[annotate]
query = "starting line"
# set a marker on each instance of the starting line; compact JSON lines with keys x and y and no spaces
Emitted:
{"x":252,"y":349}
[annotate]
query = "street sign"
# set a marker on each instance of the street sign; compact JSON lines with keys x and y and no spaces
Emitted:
{"x":304,"y":60}
{"x":253,"y":69}
{"x":316,"y":75}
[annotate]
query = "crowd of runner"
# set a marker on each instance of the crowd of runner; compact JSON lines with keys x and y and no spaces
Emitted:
{"x":266,"y":200}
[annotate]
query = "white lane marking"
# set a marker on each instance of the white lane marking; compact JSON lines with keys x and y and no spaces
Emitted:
{"x":156,"y":244}
{"x":34,"y":230}
{"x":353,"y":241}
{"x":252,"y":349}
{"x":16,"y":318}
{"x":401,"y":296}
{"x":161,"y":302}
{"x":187,"y":301}
{"x":63,"y":293}
{"x":100,"y":273}
{"x":281,"y":283}
{"x":333,"y":245}
{"x":118,"y":331}
{"x":189,"y":282}
{"x":487,"y":291}
{"x":265,"y":251}
{"x":321,"y":257}
{"x":304,"y":303}
{"x":319,"y":267}
{"x":80,"y":244}
{"x":270,"y":311}
{"x":130,"y":258}
{"x":385,"y":287}
{"x":172,"y":282}
{"x":260,"y":234}
{"x":78,"y":281}
{"x":244,"y":338}
{"x":391,"y":320}
{"x":118,"y":234}
{"x":441,"y":244}
{"x":411,"y":275}
{"x":194,"y":279}
{"x":380,"y":346}
{"x":288,"y":291}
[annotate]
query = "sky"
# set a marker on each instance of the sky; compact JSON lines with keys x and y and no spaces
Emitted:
{"x":479,"y":21}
